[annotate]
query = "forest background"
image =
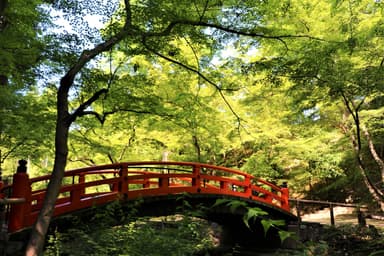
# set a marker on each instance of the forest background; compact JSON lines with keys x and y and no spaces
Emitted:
{"x":285,"y":90}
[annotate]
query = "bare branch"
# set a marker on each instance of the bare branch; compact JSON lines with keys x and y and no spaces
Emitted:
{"x":170,"y":27}
{"x":98,"y":116}
{"x":201,"y":14}
{"x":128,"y":144}
{"x":136,"y":112}
{"x":80,"y":111}
{"x":86,"y":161}
{"x":101,"y":117}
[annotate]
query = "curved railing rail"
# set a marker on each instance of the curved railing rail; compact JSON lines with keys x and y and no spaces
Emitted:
{"x":97,"y":185}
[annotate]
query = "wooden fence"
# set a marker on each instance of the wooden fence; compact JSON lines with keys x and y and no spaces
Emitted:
{"x":300,"y":202}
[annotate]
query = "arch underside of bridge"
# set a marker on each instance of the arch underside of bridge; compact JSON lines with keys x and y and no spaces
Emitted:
{"x":234,"y":230}
{"x":222,"y":213}
{"x":231,"y":220}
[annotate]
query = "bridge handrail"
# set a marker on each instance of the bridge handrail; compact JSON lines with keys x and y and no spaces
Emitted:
{"x":134,"y":179}
{"x":118,"y":166}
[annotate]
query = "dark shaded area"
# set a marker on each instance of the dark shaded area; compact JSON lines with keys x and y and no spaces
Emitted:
{"x":234,"y":229}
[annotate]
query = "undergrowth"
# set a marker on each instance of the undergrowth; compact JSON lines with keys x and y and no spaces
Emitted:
{"x":172,"y":235}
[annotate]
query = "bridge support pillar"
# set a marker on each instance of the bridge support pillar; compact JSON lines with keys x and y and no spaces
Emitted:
{"x":20,"y":189}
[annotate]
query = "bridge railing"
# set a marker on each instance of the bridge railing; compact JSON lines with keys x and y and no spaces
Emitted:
{"x":97,"y":185}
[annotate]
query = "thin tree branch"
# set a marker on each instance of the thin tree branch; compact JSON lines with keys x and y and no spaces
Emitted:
{"x":127,"y":145}
{"x":204,"y":10}
{"x":103,"y":117}
{"x":5,"y":156}
{"x":87,"y":161}
{"x":354,"y":111}
{"x":197,"y":64}
{"x":80,"y":111}
{"x":171,"y":25}
{"x":220,"y":90}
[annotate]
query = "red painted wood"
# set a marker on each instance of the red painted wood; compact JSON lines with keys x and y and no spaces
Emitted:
{"x":19,"y":212}
{"x":98,"y":185}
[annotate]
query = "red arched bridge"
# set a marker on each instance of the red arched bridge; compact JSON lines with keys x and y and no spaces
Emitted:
{"x":98,"y":185}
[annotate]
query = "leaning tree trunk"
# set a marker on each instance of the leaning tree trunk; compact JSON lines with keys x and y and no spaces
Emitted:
{"x":37,"y":238}
{"x":375,"y":193}
{"x":356,"y":141}
{"x":374,"y":154}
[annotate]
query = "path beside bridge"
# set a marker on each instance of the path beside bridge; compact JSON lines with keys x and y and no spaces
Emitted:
{"x":343,"y":215}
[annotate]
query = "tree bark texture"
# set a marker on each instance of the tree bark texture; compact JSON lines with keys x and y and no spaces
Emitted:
{"x":367,"y":182}
{"x":374,"y":154}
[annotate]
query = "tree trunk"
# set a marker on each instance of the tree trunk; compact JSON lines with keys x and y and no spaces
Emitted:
{"x":356,"y":142}
{"x":196,"y":144}
{"x":374,"y":154}
{"x":37,"y":238}
{"x":371,"y":188}
{"x":39,"y":230}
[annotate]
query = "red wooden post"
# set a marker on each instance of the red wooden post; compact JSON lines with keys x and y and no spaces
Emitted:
{"x":123,"y":183}
{"x":146,"y":183}
{"x":78,"y":193}
{"x":248,"y":186}
{"x":114,"y":186}
{"x":82,"y":181}
{"x":196,"y":180}
{"x":224,"y":185}
{"x":164,"y":181}
{"x":21,"y":188}
{"x":285,"y":196}
{"x":268,"y":197}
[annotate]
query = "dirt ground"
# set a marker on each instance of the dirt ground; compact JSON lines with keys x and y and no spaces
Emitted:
{"x":343,"y":215}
